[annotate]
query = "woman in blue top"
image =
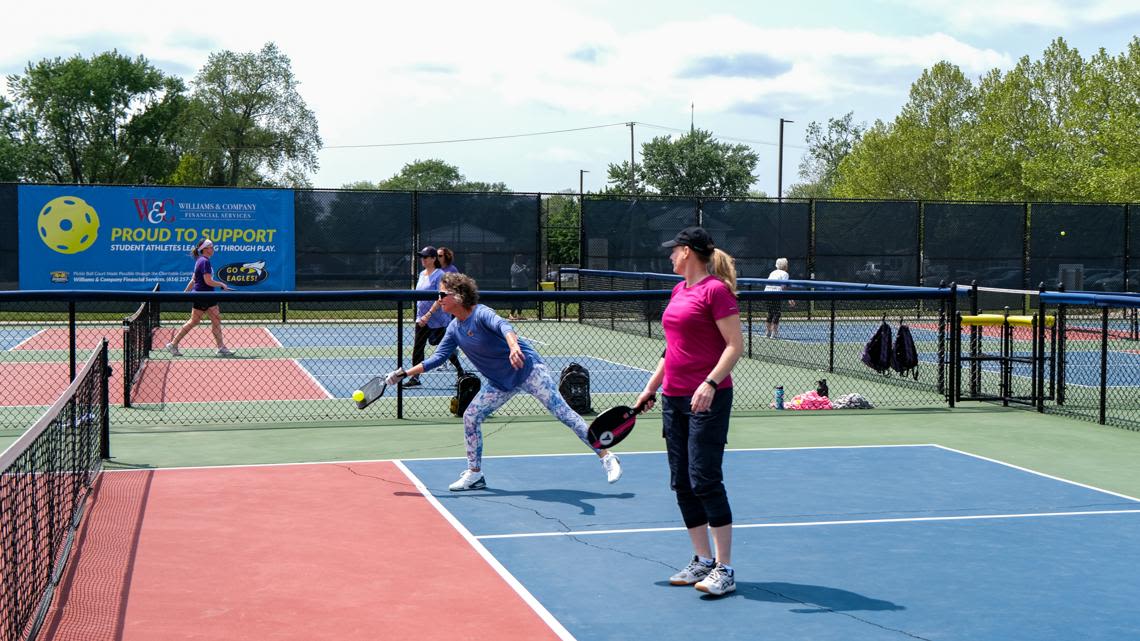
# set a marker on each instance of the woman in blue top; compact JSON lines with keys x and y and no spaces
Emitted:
{"x":430,"y":323}
{"x":202,"y":280}
{"x":510,"y":366}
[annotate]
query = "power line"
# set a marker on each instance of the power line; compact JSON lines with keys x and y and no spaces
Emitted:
{"x":719,"y":137}
{"x":443,"y":142}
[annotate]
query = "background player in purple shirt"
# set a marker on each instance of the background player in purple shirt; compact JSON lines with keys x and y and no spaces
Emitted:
{"x":510,"y":366}
{"x":702,"y":344}
{"x":203,"y":280}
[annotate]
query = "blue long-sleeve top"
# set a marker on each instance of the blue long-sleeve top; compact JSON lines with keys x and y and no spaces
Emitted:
{"x":483,"y":338}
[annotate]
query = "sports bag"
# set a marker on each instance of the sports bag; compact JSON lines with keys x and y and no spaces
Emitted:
{"x":904,"y":357}
{"x":877,"y":351}
{"x":574,"y":386}
{"x":465,"y":391}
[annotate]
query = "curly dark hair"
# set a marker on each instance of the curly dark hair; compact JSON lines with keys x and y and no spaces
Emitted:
{"x":446,"y":256}
{"x":464,"y":286}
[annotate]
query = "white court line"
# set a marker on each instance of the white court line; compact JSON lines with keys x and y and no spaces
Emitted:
{"x":745,"y":526}
{"x":306,"y":372}
{"x":498,"y":567}
{"x":1041,"y":474}
{"x":21,"y":343}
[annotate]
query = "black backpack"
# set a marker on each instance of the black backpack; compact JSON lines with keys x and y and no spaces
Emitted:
{"x":465,"y":391}
{"x":574,"y":386}
{"x":877,"y":352}
{"x":904,"y":357}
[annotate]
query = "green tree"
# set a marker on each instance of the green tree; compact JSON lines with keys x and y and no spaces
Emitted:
{"x":694,"y":164}
{"x":826,"y":149}
{"x":563,"y":221}
{"x":108,"y":119}
{"x":430,"y":175}
{"x":11,"y":153}
{"x":619,"y":181}
{"x":248,"y":124}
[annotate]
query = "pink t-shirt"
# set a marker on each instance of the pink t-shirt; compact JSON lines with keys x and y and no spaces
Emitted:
{"x":694,"y":343}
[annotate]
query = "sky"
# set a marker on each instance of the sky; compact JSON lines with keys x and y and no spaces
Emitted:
{"x":386,"y":79}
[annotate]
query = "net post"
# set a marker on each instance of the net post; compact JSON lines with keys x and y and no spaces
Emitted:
{"x":128,"y":359}
{"x":71,"y":340}
{"x":1103,"y":362}
{"x":105,"y":402}
{"x":1062,"y":347}
{"x":400,"y":356}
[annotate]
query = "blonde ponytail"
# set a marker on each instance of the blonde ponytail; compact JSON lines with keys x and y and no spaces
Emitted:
{"x":723,"y":266}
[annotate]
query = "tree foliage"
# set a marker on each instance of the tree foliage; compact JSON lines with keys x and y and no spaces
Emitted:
{"x":1059,"y":128}
{"x":695,"y":164}
{"x":248,"y":123}
{"x":429,"y":175}
{"x":563,"y":216}
{"x":106,"y":119}
{"x":826,"y":149}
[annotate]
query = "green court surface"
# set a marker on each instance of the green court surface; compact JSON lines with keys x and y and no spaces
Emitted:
{"x":1074,"y":450}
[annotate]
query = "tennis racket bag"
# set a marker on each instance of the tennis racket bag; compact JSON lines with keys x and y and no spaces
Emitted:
{"x":465,"y":391}
{"x":574,"y":386}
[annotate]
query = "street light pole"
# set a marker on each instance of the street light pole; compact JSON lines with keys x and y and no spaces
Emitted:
{"x":580,"y":190}
{"x":780,"y":164}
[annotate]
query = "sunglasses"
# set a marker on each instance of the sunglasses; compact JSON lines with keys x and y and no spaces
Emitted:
{"x":442,"y":294}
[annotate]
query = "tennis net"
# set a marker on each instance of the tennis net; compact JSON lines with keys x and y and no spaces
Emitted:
{"x":45,"y":477}
{"x":138,"y":340}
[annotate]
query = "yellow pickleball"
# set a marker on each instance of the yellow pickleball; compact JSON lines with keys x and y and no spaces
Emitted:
{"x":1062,"y":233}
{"x":68,"y":225}
{"x":358,"y":396}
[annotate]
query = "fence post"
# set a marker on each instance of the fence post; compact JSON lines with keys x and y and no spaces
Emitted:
{"x":400,"y":356}
{"x":1103,"y":362}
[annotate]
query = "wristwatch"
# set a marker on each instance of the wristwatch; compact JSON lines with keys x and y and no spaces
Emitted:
{"x":711,"y":383}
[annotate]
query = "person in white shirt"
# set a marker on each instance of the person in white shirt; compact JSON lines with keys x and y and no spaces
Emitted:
{"x":774,"y":307}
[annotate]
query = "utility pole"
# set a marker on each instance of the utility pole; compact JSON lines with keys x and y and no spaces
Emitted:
{"x":632,"y":170}
{"x":780,"y":164}
{"x":581,"y":192}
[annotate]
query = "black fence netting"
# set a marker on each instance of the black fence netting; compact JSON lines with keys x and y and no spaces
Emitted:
{"x":354,"y":240}
{"x":756,"y":233}
{"x":867,"y":242}
{"x":1079,"y":247}
{"x":626,"y":233}
{"x":486,"y":232}
{"x":968,"y":242}
{"x":45,"y":477}
{"x":9,"y":243}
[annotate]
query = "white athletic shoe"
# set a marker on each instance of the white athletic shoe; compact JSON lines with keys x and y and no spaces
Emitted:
{"x":612,"y":466}
{"x":720,"y":581}
{"x":225,"y":351}
{"x":173,"y":349}
{"x":468,"y":480}
{"x":692,"y":573}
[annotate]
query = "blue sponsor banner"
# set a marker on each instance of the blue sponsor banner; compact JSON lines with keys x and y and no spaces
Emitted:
{"x":84,"y":237}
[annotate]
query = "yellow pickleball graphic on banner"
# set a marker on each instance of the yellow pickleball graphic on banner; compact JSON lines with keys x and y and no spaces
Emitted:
{"x":68,"y":225}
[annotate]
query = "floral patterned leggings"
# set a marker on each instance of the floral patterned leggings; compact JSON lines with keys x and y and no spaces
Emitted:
{"x":540,"y":384}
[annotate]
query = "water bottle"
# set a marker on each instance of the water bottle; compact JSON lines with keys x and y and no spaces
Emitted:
{"x":779,"y":397}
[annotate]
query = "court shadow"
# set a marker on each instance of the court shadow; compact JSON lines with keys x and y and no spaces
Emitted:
{"x":813,"y":599}
{"x":573,"y":498}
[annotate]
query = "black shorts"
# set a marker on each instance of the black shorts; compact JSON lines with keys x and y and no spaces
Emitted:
{"x":774,"y":311}
{"x":203,"y":305}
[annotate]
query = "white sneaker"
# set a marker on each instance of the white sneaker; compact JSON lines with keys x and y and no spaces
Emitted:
{"x":694,"y":572}
{"x":225,"y":351}
{"x":720,"y":581}
{"x":173,"y":349}
{"x":469,"y":480}
{"x":612,"y":466}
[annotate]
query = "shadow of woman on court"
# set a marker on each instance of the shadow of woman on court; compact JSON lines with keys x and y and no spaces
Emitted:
{"x":574,"y":498}
{"x":816,"y":599}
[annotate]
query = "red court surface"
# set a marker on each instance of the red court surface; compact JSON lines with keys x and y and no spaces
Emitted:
{"x":87,"y":338}
{"x":182,"y":380}
{"x":330,"y":551}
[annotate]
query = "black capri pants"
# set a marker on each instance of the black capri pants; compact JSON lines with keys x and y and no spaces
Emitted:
{"x":695,"y":445}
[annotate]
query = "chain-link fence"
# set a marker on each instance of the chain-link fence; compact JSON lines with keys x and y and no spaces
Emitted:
{"x":298,"y":356}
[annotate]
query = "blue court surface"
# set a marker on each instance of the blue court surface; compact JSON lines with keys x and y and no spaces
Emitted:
{"x":1082,"y":368}
{"x":846,"y":331}
{"x":341,"y":376}
{"x":830,"y":544}
{"x":345,"y":335}
{"x":11,"y":338}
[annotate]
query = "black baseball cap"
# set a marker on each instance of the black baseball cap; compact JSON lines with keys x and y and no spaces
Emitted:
{"x":695,"y":238}
{"x":428,"y":252}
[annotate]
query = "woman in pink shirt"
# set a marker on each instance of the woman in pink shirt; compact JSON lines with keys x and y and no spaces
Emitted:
{"x":702,"y":344}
